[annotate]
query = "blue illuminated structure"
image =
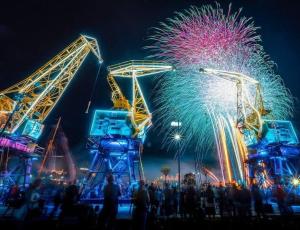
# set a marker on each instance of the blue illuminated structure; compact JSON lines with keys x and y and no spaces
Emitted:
{"x":274,"y":157}
{"x":25,"y":105}
{"x":32,"y":129}
{"x":111,"y":122}
{"x":17,"y":152}
{"x":114,"y":152}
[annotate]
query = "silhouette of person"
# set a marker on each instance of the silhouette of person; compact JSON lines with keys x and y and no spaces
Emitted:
{"x":111,"y":193}
{"x":32,"y":197}
{"x":221,"y":199}
{"x":141,"y":203}
{"x":258,"y":200}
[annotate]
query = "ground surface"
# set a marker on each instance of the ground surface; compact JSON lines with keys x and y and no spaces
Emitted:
{"x":272,"y":221}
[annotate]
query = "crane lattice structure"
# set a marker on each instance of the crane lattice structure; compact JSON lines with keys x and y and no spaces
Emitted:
{"x":40,"y":91}
{"x":249,"y":120}
{"x":117,"y":135}
{"x":269,"y":152}
{"x":141,"y":116}
{"x":25,"y":105}
{"x":249,"y":115}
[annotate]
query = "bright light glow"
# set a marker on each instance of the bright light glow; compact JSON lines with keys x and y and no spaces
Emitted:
{"x":83,"y":169}
{"x":8,"y":143}
{"x":175,"y":123}
{"x":209,"y":37}
{"x":177,"y":137}
{"x":141,"y":68}
{"x":295,"y":181}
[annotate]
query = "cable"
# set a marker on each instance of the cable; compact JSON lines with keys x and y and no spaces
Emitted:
{"x":93,"y":90}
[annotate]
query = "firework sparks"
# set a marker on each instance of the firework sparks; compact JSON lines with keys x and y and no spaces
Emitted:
{"x":211,"y":38}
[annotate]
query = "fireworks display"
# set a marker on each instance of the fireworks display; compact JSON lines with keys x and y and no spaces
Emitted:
{"x":208,"y":37}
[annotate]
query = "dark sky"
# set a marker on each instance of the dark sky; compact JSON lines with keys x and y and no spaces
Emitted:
{"x":31,"y":32}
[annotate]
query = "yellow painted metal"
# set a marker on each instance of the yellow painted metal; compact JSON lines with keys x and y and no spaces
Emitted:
{"x":248,"y":114}
{"x":41,"y":90}
{"x":141,"y":116}
{"x":119,"y":100}
{"x":6,"y":104}
{"x":140,"y":68}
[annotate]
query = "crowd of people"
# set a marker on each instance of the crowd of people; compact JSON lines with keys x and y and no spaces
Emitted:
{"x":208,"y":201}
{"x":149,"y":203}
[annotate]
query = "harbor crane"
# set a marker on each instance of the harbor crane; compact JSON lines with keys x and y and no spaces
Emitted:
{"x":25,"y":105}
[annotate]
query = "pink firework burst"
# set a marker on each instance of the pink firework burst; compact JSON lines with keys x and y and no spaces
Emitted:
{"x":205,"y":35}
{"x":208,"y":37}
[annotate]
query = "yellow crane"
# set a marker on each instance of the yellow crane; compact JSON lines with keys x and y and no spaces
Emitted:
{"x":249,"y":115}
{"x":249,"y":118}
{"x":38,"y":93}
{"x":141,"y":116}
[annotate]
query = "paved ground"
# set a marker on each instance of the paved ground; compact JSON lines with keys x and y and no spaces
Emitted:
{"x":274,"y":222}
{"x":125,"y":210}
{"x":123,"y":213}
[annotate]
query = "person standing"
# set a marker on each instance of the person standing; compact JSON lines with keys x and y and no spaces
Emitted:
{"x":33,"y":197}
{"x":210,"y":202}
{"x":258,"y":201}
{"x":190,"y":201}
{"x":14,"y":200}
{"x":69,"y":203}
{"x":57,"y":199}
{"x":167,"y":200}
{"x":221,"y":199}
{"x":109,"y":212}
{"x":141,"y":203}
{"x":246,"y":201}
{"x":281,"y":199}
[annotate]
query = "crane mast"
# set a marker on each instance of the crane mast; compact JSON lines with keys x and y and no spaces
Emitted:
{"x":117,"y":97}
{"x":248,"y":114}
{"x":141,"y":116}
{"x":38,"y":93}
{"x":117,"y":135}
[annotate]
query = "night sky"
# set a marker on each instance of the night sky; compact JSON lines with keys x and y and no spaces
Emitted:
{"x":32,"y":32}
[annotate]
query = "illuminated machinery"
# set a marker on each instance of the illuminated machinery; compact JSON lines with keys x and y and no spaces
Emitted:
{"x":25,"y":105}
{"x":266,"y":147}
{"x":274,"y":158}
{"x":116,"y":136}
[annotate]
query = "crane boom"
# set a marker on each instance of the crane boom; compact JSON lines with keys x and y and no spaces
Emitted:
{"x":248,"y":115}
{"x":118,"y":98}
{"x":40,"y":91}
{"x":141,"y":116}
